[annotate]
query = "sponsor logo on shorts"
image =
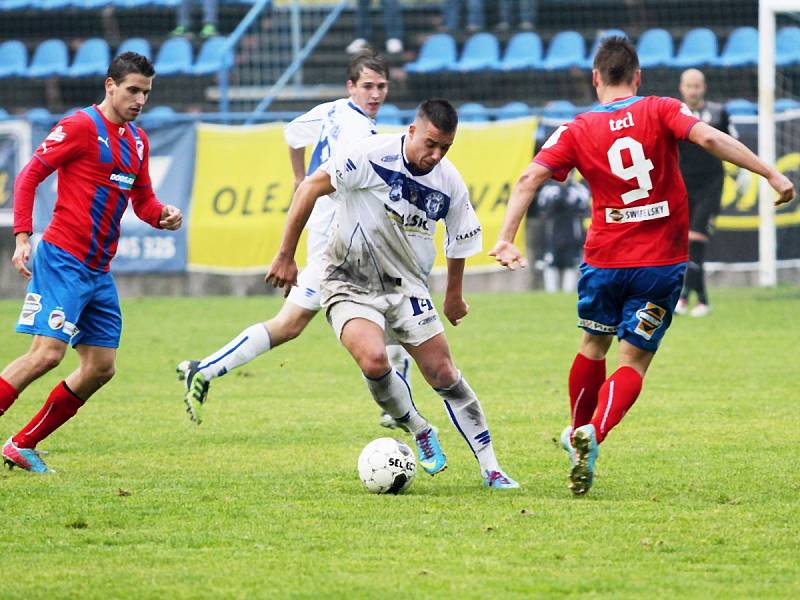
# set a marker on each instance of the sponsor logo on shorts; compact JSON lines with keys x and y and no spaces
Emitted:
{"x":638,"y":213}
{"x":469,"y":235}
{"x":70,"y":328}
{"x":56,"y":319}
{"x":427,"y":320}
{"x":651,"y":317}
{"x":595,"y":326}
{"x":30,"y":308}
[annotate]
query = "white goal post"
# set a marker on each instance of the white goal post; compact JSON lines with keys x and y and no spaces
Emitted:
{"x":767,"y":11}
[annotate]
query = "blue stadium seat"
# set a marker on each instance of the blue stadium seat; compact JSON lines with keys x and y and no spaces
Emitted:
{"x":740,"y":106}
{"x":13,"y":58}
{"x":562,"y":110}
{"x":741,"y":49}
{"x":698,"y":48}
{"x":174,"y":57}
{"x":212,"y":56}
{"x":438,"y":53}
{"x":655,"y":48}
{"x":567,"y":49}
{"x":783,"y":104}
{"x":157,"y":116}
{"x":9,"y":5}
{"x":91,"y":59}
{"x":524,"y":51}
{"x":480,"y":52}
{"x":787,"y":42}
{"x":50,"y":58}
{"x":607,"y":33}
{"x":40,"y":116}
{"x":136,"y":44}
{"x":389,"y":114}
{"x":4,"y":114}
{"x":51,"y":4}
{"x":90,"y":4}
{"x":514,"y":110}
{"x":472,"y":112}
{"x":131,"y":3}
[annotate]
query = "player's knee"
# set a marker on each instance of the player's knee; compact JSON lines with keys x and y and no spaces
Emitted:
{"x":443,"y":374}
{"x":102,"y":373}
{"x":374,"y":364}
{"x":45,"y":359}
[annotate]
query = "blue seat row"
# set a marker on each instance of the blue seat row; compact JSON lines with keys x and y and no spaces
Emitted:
{"x":525,"y":50}
{"x":151,"y":117}
{"x":51,"y":57}
{"x":15,"y":5}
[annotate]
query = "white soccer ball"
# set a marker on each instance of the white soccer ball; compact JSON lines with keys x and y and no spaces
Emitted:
{"x":386,"y":466}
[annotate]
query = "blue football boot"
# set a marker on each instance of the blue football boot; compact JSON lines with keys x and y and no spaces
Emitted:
{"x":499,"y":481}
{"x":431,"y":458}
{"x":566,"y":443}
{"x":584,"y":440}
{"x":28,"y":459}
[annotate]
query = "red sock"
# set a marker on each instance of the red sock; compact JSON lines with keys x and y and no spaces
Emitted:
{"x":8,"y":394}
{"x":615,"y":398}
{"x":585,"y":378}
{"x":61,"y":406}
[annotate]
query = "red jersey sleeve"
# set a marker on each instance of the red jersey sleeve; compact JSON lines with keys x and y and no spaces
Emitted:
{"x":34,"y":173}
{"x":558,"y":153}
{"x":65,"y":142}
{"x":145,"y":204}
{"x":677,"y":117}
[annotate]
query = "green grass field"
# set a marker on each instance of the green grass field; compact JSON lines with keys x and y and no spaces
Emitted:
{"x":696,"y":493}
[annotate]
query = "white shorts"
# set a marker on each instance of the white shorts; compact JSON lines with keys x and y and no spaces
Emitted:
{"x":403,"y":319}
{"x":306,"y":293}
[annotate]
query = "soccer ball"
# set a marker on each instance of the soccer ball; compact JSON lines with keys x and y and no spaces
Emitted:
{"x":386,"y":466}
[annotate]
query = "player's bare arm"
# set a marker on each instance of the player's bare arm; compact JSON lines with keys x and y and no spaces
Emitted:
{"x":297,"y":158}
{"x":724,"y":146}
{"x":455,"y":307}
{"x":22,"y":253}
{"x":171,"y":218}
{"x":283,"y":269}
{"x":504,"y":250}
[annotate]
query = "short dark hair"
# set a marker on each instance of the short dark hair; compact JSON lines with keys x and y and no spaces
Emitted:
{"x":440,"y":113}
{"x":616,"y":60}
{"x":127,"y":63}
{"x":366,"y":59}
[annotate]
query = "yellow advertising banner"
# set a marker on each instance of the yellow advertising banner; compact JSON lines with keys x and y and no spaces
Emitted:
{"x":243,"y":187}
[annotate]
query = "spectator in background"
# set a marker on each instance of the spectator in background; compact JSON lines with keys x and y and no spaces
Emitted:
{"x":704,"y":176}
{"x":528,"y":10}
{"x":451,"y":13}
{"x":562,"y":207}
{"x":393,"y":23}
{"x":184,"y":18}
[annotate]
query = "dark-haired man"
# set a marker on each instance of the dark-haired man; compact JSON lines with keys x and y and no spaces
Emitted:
{"x":102,"y":162}
{"x":325,"y":128}
{"x":390,"y":192}
{"x":636,"y":247}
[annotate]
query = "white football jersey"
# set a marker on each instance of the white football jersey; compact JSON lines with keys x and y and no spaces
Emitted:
{"x":326,"y":127}
{"x":382,"y":240}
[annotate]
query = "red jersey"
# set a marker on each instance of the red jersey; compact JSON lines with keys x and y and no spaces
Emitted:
{"x":627,"y":151}
{"x":100,"y":166}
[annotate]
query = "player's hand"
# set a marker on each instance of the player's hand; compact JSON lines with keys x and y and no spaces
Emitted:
{"x":22,"y":253}
{"x":785,"y":188}
{"x":171,"y":218}
{"x":282,"y":274}
{"x":507,"y":255}
{"x":455,"y":309}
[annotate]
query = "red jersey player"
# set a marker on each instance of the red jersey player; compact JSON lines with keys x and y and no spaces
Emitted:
{"x":636,"y":248}
{"x":102,"y":162}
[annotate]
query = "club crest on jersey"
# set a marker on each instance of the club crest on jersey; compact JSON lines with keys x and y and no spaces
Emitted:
{"x":140,"y":149}
{"x":30,"y":308}
{"x":396,"y":191}
{"x":123,"y":180}
{"x":651,"y":317}
{"x":434,"y":203}
{"x":56,"y":319}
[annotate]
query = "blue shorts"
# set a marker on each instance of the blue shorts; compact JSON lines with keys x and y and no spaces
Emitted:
{"x":69,"y":301}
{"x":634,"y":303}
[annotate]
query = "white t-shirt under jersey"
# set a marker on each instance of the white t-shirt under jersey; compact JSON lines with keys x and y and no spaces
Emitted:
{"x":385,"y":221}
{"x":326,"y":127}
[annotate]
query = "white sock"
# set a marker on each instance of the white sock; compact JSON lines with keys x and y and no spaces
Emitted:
{"x":467,"y":415}
{"x":392,"y":394}
{"x":250,"y":343}
{"x":401,"y":360}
